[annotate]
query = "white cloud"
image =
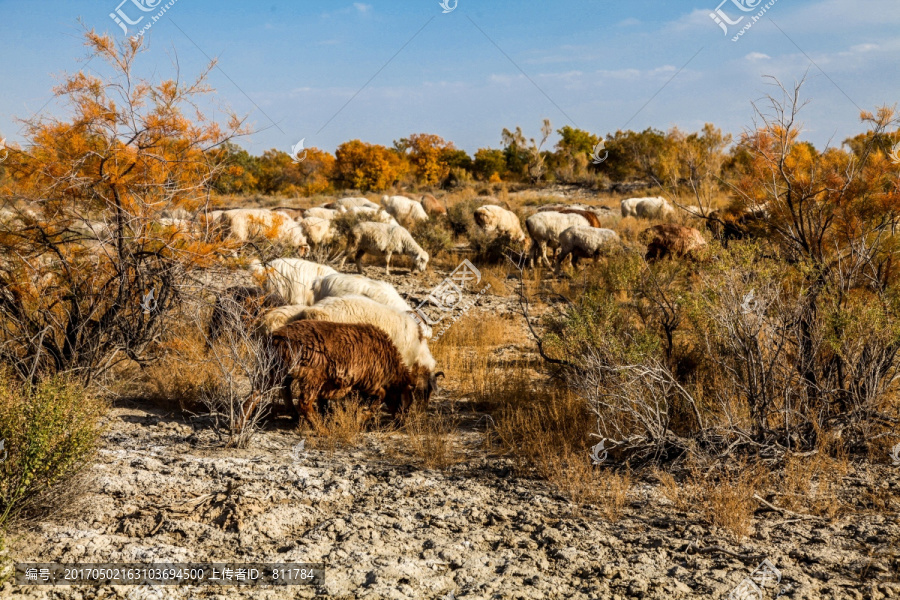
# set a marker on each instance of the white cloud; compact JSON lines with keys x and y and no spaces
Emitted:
{"x":863,"y":47}
{"x":362,"y":8}
{"x":754,"y":56}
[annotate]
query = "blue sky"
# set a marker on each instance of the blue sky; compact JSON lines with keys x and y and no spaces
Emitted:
{"x":290,"y":66}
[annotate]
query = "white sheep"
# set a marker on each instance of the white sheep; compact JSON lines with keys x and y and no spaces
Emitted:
{"x":545,"y":229}
{"x":244,"y":224}
{"x":320,"y":212}
{"x":341,"y":285}
{"x":492,"y":218}
{"x":292,"y":278}
{"x":403,"y":330}
{"x":317,"y":231}
{"x":381,"y":239}
{"x":278,"y":317}
{"x":403,"y":209}
{"x":584,"y":242}
{"x":646,"y":208}
{"x":373,"y":215}
{"x":352,"y":203}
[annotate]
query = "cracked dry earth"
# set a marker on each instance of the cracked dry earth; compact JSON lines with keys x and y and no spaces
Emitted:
{"x":386,"y":530}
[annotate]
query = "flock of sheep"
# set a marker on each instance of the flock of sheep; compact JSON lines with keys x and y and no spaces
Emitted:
{"x":335,"y":333}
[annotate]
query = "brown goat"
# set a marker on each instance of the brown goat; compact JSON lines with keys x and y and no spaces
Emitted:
{"x":432,"y":206}
{"x":330,"y":360}
{"x":671,"y":240}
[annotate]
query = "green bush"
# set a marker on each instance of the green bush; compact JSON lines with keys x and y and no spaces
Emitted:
{"x":49,"y":432}
{"x":434,"y":236}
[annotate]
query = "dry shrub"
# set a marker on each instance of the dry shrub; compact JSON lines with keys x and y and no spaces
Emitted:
{"x":180,"y":375}
{"x":430,"y":437}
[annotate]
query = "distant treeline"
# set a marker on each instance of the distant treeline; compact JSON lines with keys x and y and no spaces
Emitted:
{"x":426,"y":160}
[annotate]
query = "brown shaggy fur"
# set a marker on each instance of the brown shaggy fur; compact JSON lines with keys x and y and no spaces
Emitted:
{"x":671,"y":240}
{"x":432,"y":206}
{"x":591,"y":217}
{"x":330,"y":360}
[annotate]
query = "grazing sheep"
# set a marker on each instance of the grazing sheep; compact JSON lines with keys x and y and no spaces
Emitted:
{"x":339,"y":285}
{"x":352,"y":203}
{"x":406,"y":211}
{"x":244,"y":224}
{"x":671,"y":240}
{"x":384,"y":240}
{"x":647,"y":208}
{"x":317,"y":231}
{"x":239,"y":306}
{"x":291,"y":278}
{"x":584,"y":242}
{"x":327,"y":361}
{"x":492,"y":218}
{"x":403,"y":330}
{"x":432,"y":206}
{"x":545,"y":229}
{"x":372,"y":215}
{"x":320,"y":212}
{"x":278,"y":317}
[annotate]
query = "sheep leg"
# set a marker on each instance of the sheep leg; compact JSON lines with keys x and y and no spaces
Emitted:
{"x":544,"y":258}
{"x":387,"y":263}
{"x":288,"y":399}
{"x":358,"y":258}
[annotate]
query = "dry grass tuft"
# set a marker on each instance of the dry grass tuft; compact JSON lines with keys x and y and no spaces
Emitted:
{"x":343,"y":426}
{"x":430,"y":438}
{"x":811,"y":484}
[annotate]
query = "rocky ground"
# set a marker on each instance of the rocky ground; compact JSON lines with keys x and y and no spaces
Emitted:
{"x":162,"y":491}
